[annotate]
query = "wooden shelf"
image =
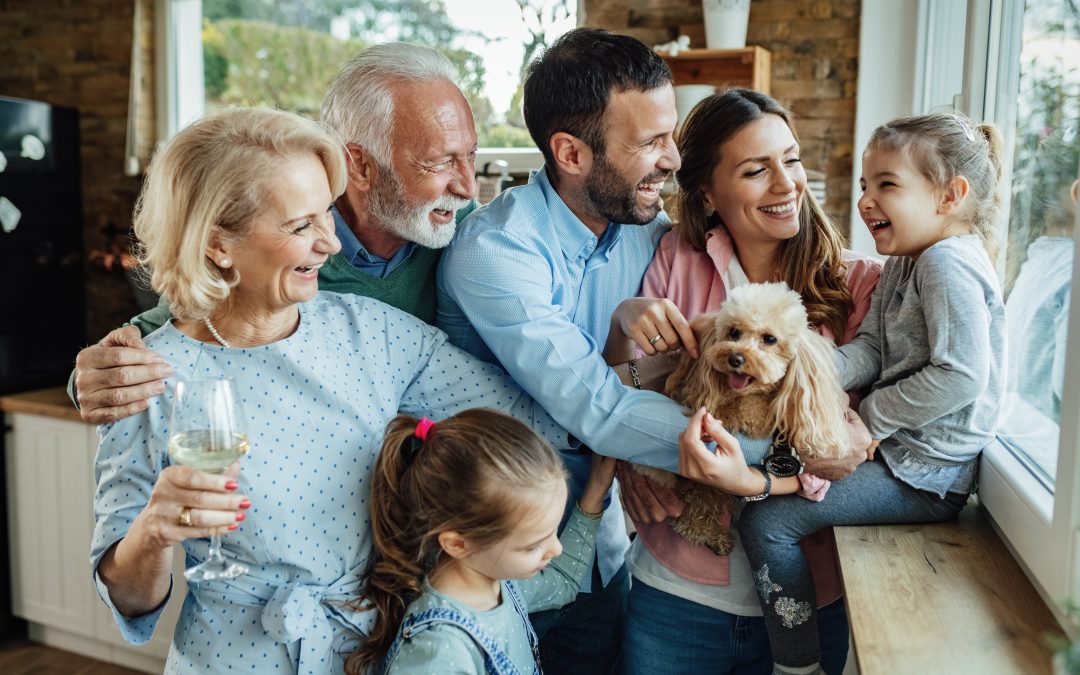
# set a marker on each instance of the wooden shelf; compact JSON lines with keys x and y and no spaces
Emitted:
{"x":749,"y":67}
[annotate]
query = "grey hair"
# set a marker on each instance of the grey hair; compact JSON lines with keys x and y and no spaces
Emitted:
{"x":359,"y":105}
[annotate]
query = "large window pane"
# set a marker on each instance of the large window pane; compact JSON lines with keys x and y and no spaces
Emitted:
{"x":285,"y":53}
{"x":1039,"y":250}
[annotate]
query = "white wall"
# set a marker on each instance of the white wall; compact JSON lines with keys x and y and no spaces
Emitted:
{"x":888,"y":37}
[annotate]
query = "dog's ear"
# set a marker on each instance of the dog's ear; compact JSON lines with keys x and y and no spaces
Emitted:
{"x":690,"y":380}
{"x":809,"y":409}
{"x":703,"y":325}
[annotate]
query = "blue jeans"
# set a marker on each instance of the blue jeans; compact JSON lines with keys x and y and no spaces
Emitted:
{"x":771,"y":531}
{"x":674,"y":636}
{"x":584,"y":636}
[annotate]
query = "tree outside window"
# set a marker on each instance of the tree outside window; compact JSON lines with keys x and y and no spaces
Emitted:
{"x":284,"y":54}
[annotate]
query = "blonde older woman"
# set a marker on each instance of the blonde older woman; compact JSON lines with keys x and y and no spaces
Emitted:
{"x":234,"y":220}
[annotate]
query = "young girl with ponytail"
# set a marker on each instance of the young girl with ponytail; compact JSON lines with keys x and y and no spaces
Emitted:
{"x":460,"y":508}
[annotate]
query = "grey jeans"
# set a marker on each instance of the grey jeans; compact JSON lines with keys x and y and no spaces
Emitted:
{"x":771,"y":531}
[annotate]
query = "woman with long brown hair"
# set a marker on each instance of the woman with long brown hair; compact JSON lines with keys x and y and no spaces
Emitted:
{"x":744,"y":216}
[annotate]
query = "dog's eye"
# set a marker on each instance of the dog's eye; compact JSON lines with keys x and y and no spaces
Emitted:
{"x":768,"y":339}
{"x":734,"y":334}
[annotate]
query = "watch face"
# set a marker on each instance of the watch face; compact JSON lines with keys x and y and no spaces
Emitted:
{"x":783,"y":466}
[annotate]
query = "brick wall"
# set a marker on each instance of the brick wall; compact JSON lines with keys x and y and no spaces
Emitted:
{"x":77,"y":53}
{"x":815,"y":47}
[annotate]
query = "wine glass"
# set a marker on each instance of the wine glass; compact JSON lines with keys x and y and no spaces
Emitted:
{"x":205,"y":433}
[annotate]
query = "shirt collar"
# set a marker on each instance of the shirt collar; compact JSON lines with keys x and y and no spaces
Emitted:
{"x":720,"y":247}
{"x":354,"y":251}
{"x":577,"y":240}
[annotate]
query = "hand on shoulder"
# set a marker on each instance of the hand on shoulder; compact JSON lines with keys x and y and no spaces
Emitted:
{"x":116,"y":377}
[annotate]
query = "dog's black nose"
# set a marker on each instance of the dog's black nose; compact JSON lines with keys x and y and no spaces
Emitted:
{"x":736,"y":360}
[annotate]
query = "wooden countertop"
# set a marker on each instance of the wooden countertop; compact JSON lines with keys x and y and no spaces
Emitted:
{"x":52,"y":402}
{"x":941,"y":598}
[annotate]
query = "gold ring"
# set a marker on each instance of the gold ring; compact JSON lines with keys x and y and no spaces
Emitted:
{"x":185,"y":517}
{"x":658,"y":338}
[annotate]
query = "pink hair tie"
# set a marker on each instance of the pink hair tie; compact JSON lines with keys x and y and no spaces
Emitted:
{"x":423,"y":427}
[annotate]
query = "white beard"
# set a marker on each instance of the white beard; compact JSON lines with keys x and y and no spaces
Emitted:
{"x":388,"y":208}
{"x":417,"y":226}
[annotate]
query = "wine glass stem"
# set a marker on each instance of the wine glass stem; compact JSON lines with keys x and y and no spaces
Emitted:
{"x":215,"y":549}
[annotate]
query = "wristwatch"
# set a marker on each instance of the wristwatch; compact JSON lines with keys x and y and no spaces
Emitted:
{"x":783,"y":461}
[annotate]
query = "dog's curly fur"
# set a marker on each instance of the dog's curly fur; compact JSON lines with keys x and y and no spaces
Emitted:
{"x":762,"y":370}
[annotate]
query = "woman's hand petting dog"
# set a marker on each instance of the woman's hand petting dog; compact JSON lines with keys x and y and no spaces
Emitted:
{"x":643,"y":320}
{"x":725,"y":469}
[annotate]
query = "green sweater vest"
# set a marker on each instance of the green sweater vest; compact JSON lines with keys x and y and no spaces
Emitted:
{"x":410,"y":287}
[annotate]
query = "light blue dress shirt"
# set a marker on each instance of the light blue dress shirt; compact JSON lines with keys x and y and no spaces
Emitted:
{"x":315,"y":406}
{"x":362,"y":259}
{"x":527,"y":285}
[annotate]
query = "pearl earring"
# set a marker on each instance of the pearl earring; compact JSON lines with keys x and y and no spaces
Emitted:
{"x":225,"y":262}
{"x":709,"y":211}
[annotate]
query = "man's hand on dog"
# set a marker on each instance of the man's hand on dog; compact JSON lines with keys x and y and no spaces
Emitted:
{"x":835,"y":468}
{"x":644,"y":500}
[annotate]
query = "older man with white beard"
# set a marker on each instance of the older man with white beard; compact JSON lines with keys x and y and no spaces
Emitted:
{"x":411,"y":144}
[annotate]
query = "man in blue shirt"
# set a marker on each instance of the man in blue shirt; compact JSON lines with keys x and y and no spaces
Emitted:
{"x":531,"y":281}
{"x":411,"y":144}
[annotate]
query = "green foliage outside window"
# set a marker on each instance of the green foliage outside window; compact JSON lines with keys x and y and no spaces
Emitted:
{"x":282,"y":54}
{"x":251,"y":63}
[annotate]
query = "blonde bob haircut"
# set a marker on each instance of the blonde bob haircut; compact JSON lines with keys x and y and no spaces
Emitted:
{"x":215,"y":177}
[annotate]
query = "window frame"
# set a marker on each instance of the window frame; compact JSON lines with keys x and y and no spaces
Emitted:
{"x":180,"y":92}
{"x":1041,"y":527}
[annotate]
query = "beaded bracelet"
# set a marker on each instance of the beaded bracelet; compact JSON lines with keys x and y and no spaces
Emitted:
{"x":590,"y":516}
{"x":631,"y":365}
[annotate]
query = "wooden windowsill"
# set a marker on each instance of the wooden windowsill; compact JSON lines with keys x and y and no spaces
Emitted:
{"x":941,"y":598}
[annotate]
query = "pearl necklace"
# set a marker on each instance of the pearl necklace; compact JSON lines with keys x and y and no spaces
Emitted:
{"x":217,"y":335}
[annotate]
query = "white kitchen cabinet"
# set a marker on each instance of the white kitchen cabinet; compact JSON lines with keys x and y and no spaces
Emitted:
{"x":50,"y":490}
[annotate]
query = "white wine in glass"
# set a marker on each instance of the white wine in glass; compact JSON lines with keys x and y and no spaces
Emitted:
{"x":206,"y":433}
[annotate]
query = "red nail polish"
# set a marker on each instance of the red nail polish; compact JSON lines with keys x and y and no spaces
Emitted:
{"x":233,"y":527}
{"x":231,"y":485}
{"x":245,"y":504}
{"x":240,"y":516}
